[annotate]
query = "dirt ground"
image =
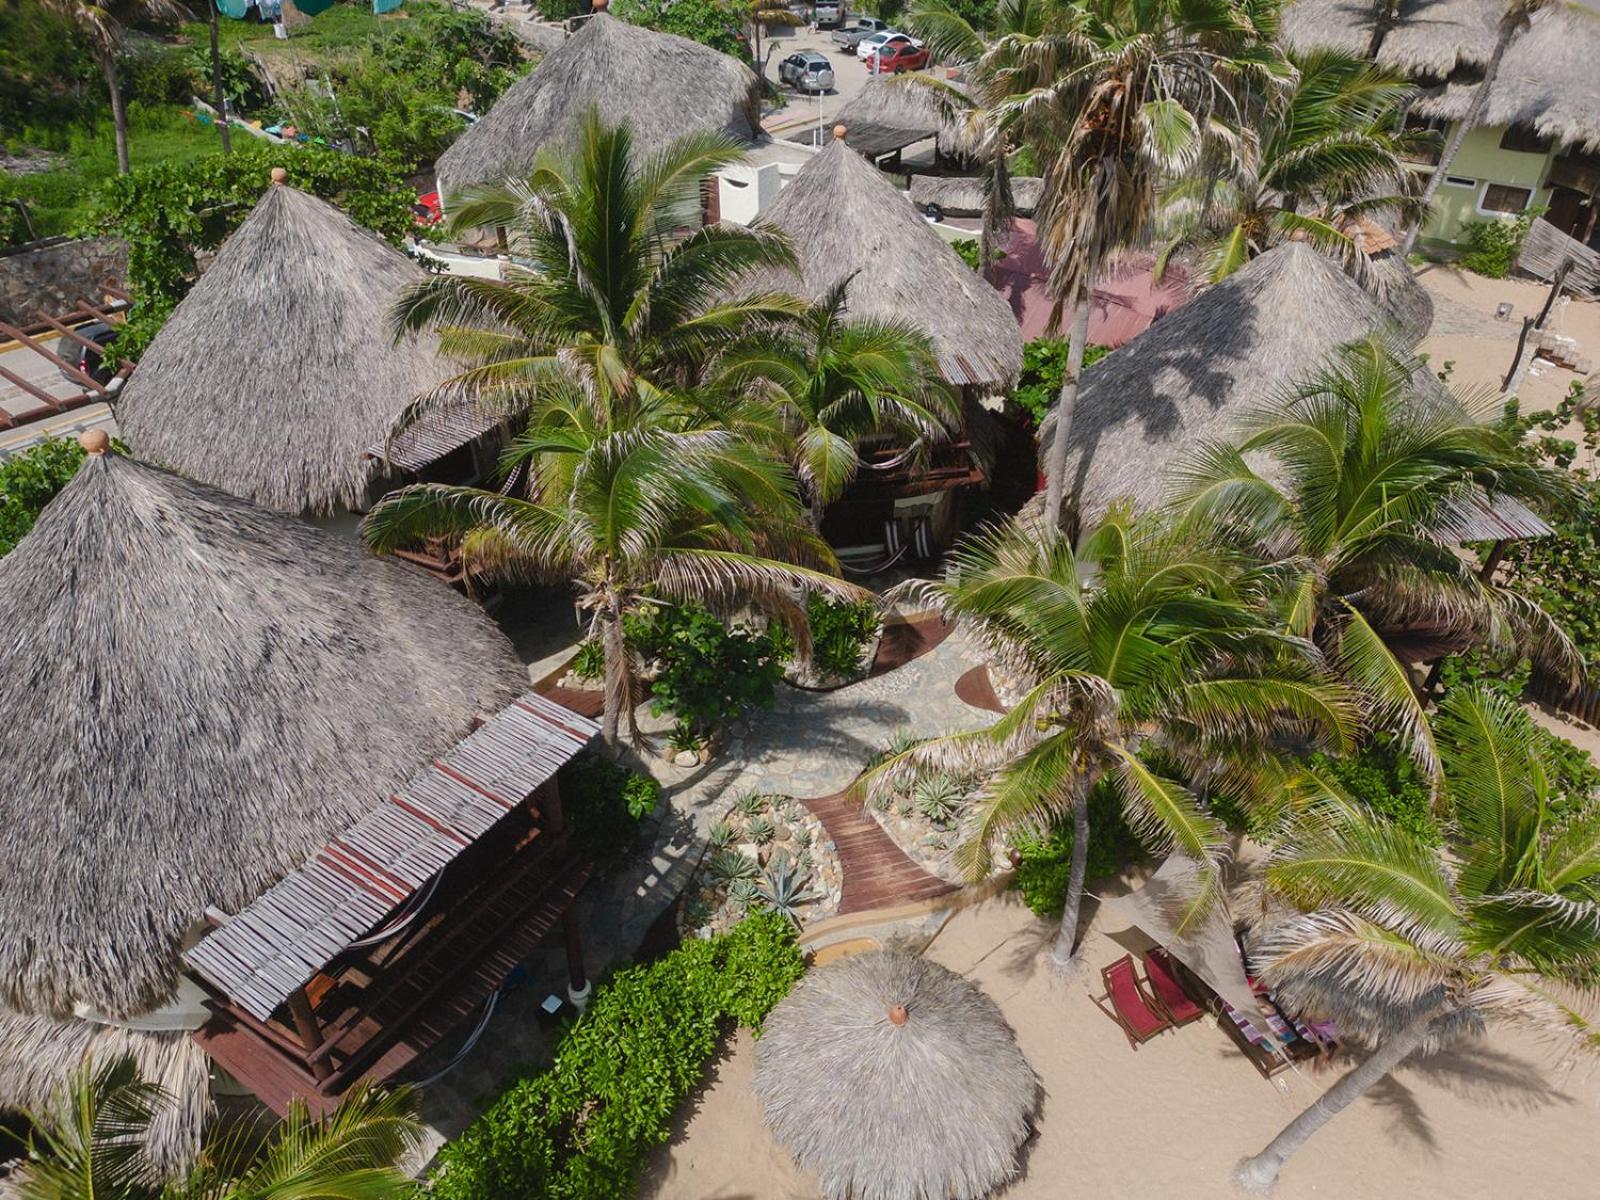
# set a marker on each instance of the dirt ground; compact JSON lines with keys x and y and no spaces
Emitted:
{"x":1486,"y":1120}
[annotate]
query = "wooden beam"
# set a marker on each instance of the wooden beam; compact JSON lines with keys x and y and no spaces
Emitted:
{"x":11,"y":331}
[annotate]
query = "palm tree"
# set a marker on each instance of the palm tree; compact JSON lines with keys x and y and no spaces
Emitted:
{"x":835,"y":380}
{"x":606,"y":287}
{"x":91,"y":1144}
{"x":1330,"y":144}
{"x":1134,"y":642}
{"x":1513,"y":21}
{"x":1362,"y":474}
{"x":1116,"y":96}
{"x":103,"y":23}
{"x":1411,"y":947}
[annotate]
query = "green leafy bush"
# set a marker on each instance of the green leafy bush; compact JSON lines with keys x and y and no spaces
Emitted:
{"x":1386,"y":780}
{"x":968,"y":250}
{"x":590,"y":660}
{"x":709,"y":22}
{"x":1044,"y":365}
{"x":604,"y":802}
{"x":30,"y":480}
{"x":1493,"y":245}
{"x":580,"y":1130}
{"x":710,"y":671}
{"x":840,"y":631}
{"x":1046,"y":864}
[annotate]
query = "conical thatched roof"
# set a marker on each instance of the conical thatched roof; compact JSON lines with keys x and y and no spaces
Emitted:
{"x":843,"y":216}
{"x":199,"y":693}
{"x":894,"y":1078}
{"x":1548,"y":79}
{"x":661,"y":85}
{"x":278,"y":371}
{"x":889,"y":114}
{"x":1223,"y":354}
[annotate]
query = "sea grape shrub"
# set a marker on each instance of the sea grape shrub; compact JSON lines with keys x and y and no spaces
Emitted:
{"x":709,"y":671}
{"x":1044,"y":365}
{"x":1045,"y":861}
{"x":603,"y":803}
{"x":580,"y":1130}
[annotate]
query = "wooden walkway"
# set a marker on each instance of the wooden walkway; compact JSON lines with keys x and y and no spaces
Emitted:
{"x":877,"y":873}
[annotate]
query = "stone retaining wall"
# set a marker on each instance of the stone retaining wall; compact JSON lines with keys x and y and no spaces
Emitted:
{"x":52,"y":275}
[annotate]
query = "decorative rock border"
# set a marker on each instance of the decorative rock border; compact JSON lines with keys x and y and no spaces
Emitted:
{"x":708,"y":906}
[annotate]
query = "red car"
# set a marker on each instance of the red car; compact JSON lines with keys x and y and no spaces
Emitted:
{"x":895,"y":57}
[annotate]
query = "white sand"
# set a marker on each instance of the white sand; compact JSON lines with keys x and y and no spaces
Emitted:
{"x":1489,"y":1119}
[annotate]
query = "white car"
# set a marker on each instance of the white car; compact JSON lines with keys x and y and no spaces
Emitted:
{"x":867,"y":47}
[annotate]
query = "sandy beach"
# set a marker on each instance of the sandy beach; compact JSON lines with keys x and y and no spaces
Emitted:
{"x":1488,"y":1119}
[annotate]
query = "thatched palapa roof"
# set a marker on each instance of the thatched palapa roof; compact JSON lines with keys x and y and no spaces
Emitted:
{"x":661,"y":85}
{"x":1547,"y":81}
{"x":894,"y":1078}
{"x":1186,"y":378}
{"x":890,"y":114}
{"x":962,"y":195}
{"x":277,"y":372}
{"x":843,"y":216}
{"x":199,"y":694}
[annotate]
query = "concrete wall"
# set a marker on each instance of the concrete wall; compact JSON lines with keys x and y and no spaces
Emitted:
{"x":51,"y":276}
{"x":1483,"y":162}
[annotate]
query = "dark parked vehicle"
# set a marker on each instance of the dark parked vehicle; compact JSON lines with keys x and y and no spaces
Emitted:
{"x":92,"y":363}
{"x":807,"y":71}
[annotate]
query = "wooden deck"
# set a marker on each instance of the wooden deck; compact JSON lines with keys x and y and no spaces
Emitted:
{"x":977,"y":689}
{"x":903,"y":641}
{"x":877,"y":873}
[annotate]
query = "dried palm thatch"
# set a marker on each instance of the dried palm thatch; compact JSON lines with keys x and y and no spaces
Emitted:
{"x":661,"y":85}
{"x":1389,"y":279}
{"x":962,"y":195}
{"x":843,"y":216}
{"x":199,"y":694}
{"x":39,"y":1054}
{"x":890,"y":114}
{"x":894,"y":1078}
{"x":277,"y":372}
{"x":1190,"y":374}
{"x":1547,"y":80}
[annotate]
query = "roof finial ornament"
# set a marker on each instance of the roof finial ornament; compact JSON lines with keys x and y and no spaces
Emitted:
{"x":898,"y":1015}
{"x":838,"y":133}
{"x":280,"y":176}
{"x":598,"y":6}
{"x":95,"y":441}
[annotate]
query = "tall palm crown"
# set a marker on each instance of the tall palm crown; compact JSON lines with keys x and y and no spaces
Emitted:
{"x":1135,"y":639}
{"x":1407,"y":946}
{"x":1361,"y":465}
{"x":835,"y":380}
{"x":90,"y":1145}
{"x":1332,"y":143}
{"x":606,"y":287}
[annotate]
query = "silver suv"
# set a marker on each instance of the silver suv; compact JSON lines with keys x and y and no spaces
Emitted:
{"x":807,"y":71}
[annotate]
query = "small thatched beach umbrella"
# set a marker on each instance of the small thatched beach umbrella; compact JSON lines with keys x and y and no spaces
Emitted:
{"x":844,"y":217}
{"x":277,"y":372}
{"x":894,"y":1078}
{"x":661,"y":85}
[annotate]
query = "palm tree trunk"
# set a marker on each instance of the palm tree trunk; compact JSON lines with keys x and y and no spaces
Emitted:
{"x":1258,"y":1174}
{"x":1509,"y":25}
{"x":1056,"y":469}
{"x":119,"y":111}
{"x":1063,"y":953}
{"x":217,"y":97}
{"x":988,"y":232}
{"x":619,"y":691}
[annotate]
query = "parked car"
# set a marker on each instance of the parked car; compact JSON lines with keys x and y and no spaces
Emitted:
{"x":896,"y":57}
{"x":828,"y":14}
{"x":868,"y":46}
{"x":864,"y":27}
{"x":92,"y":363}
{"x":807,"y":71}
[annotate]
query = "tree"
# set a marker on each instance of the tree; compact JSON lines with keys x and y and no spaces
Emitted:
{"x":91,"y":1145}
{"x":1513,"y":21}
{"x":102,"y":22}
{"x":1363,"y":471}
{"x":836,"y":380}
{"x":1144,"y":667}
{"x":1330,"y":144}
{"x":1411,"y":947}
{"x":1114,"y":97}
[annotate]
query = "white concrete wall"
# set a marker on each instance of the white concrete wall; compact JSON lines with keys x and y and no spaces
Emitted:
{"x":745,"y":192}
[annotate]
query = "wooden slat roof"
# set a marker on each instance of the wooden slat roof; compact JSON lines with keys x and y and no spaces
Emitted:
{"x":297,"y":926}
{"x":434,"y":435}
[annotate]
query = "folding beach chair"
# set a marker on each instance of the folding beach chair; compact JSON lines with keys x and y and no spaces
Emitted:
{"x":1168,"y":993}
{"x":1139,"y":1018}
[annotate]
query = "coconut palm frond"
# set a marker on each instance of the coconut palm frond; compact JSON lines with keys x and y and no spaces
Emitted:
{"x":1392,"y":701}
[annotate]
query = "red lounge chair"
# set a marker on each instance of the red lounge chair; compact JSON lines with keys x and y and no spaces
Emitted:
{"x":1168,"y":992}
{"x":1137,"y":1016}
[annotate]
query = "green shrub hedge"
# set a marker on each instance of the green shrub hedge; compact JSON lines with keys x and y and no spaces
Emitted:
{"x":840,"y":631}
{"x":604,"y":802}
{"x":580,"y":1130}
{"x":1047,"y":861}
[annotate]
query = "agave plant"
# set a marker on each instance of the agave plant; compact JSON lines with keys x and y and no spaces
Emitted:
{"x":696,"y":913}
{"x":720,"y":836}
{"x":785,"y":887}
{"x":803,"y":838}
{"x":761,"y":830}
{"x":729,"y":866}
{"x":751,"y":804}
{"x":940,"y":798}
{"x":745,"y":894}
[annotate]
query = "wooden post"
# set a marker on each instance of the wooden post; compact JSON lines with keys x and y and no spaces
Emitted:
{"x":1492,"y":563}
{"x":1516,"y":360}
{"x":305,"y":1024}
{"x":553,"y":817}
